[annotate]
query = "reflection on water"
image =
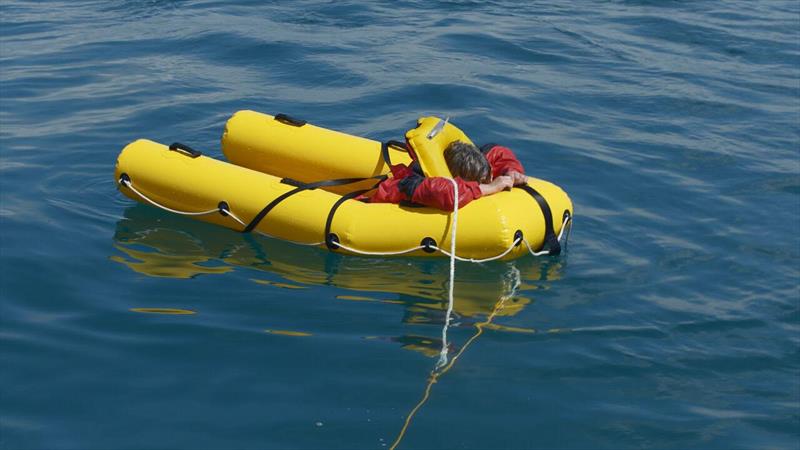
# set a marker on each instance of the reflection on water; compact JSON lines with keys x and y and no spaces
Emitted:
{"x":171,"y":311}
{"x":278,"y":284}
{"x":159,"y":245}
{"x":288,"y":333}
{"x":443,"y":365}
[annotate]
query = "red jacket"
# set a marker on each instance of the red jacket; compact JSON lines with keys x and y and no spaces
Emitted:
{"x":408,"y":184}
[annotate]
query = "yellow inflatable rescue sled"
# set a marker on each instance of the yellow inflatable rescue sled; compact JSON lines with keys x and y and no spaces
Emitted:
{"x":298,"y":182}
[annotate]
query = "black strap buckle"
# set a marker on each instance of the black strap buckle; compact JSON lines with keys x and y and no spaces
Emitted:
{"x":385,"y":150}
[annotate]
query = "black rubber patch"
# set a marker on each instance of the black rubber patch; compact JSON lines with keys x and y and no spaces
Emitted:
{"x":428,"y":245}
{"x":332,"y":241}
{"x":223,"y":208}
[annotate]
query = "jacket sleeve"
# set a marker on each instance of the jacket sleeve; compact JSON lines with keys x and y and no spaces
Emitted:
{"x":502,"y":160}
{"x":437,"y":192}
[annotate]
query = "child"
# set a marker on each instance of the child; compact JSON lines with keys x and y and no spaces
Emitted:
{"x":487,"y":171}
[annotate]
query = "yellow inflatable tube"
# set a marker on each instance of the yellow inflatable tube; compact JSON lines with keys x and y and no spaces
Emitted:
{"x":150,"y":172}
{"x":286,"y":147}
{"x":303,"y":152}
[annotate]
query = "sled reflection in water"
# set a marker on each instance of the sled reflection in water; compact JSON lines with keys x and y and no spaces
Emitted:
{"x":157,"y":244}
{"x":160,"y":245}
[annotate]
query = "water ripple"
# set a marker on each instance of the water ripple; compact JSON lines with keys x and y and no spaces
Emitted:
{"x":672,"y":321}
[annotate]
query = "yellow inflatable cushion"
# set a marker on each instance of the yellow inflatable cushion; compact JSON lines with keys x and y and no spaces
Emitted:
{"x":430,"y":151}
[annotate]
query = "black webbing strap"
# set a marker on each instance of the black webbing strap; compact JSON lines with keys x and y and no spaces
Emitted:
{"x":385,"y":150}
{"x":331,"y":240}
{"x":305,"y":187}
{"x":550,"y":238}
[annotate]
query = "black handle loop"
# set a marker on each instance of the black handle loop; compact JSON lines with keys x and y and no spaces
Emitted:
{"x":329,"y":222}
{"x":178,"y":147}
{"x":288,"y":120}
{"x":400,"y":145}
{"x":550,"y":238}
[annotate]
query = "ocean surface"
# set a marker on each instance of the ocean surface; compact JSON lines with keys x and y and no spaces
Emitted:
{"x":672,"y":321}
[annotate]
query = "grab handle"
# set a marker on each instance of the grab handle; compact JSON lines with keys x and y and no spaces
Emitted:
{"x":288,"y":120}
{"x":178,"y":147}
{"x":400,"y":145}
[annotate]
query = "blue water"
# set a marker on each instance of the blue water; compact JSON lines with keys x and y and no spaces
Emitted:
{"x":673,"y":321}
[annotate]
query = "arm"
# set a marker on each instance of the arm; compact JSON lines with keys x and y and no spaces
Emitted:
{"x":504,"y":162}
{"x":498,"y":184}
{"x":437,"y":192}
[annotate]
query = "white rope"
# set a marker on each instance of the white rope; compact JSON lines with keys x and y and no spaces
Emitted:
{"x":560,"y":234}
{"x":567,"y":219}
{"x":451,"y":254}
{"x":414,"y":249}
{"x":450,"y":300}
{"x":365,"y":252}
{"x":472,"y":260}
{"x":543,"y":252}
{"x":310,"y":244}
{"x":129,"y":185}
{"x":233,"y":216}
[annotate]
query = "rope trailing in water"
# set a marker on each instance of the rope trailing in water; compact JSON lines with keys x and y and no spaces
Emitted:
{"x":439,"y":371}
{"x":450,"y":301}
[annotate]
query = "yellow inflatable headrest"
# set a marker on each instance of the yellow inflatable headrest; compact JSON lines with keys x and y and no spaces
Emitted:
{"x":430,"y":151}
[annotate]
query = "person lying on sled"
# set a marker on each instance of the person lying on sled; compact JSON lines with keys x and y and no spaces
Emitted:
{"x":478,"y":172}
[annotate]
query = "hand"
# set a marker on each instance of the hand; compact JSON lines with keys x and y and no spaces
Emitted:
{"x":498,"y":184}
{"x":519,"y":178}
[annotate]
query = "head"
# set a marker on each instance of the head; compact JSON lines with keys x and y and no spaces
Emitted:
{"x":467,"y":162}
